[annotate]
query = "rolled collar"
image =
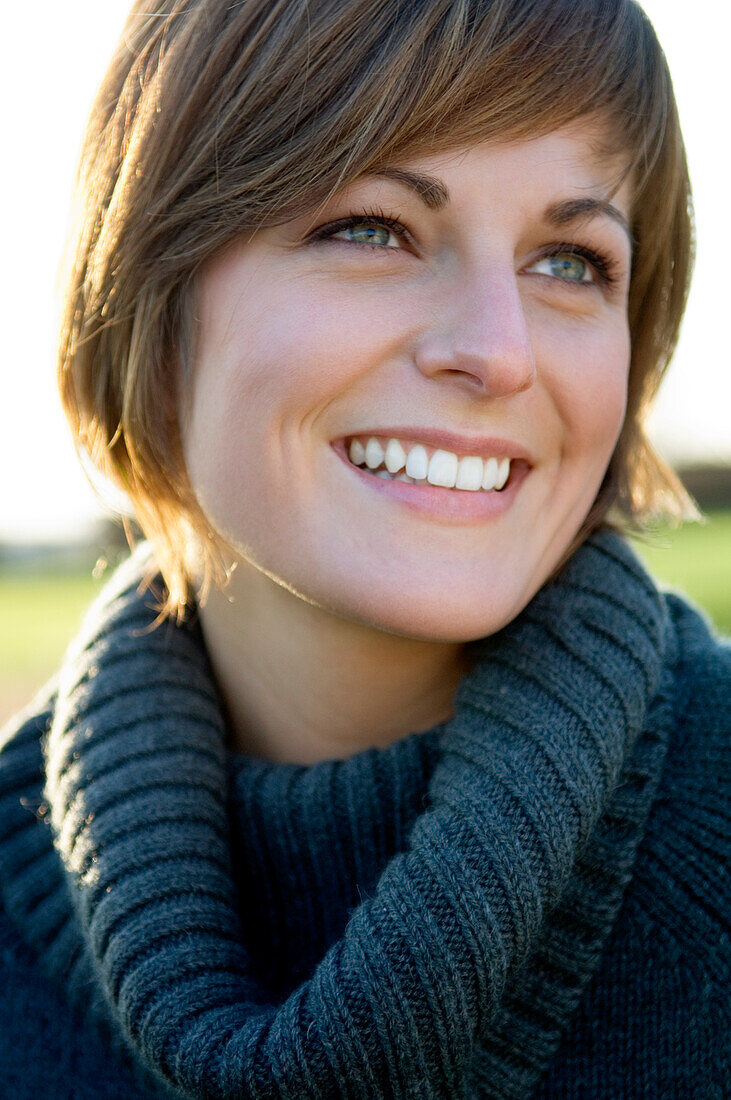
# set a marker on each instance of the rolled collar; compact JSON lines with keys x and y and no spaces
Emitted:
{"x":459,"y":970}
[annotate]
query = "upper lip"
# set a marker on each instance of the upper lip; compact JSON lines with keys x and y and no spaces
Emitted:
{"x":488,"y":446}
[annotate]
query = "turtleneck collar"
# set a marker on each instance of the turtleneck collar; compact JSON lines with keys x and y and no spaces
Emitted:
{"x":311,"y":842}
{"x":476,"y":869}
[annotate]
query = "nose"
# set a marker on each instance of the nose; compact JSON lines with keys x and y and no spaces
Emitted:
{"x":482,"y":341}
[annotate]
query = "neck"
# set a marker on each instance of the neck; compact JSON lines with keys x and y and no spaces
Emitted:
{"x":301,"y":685}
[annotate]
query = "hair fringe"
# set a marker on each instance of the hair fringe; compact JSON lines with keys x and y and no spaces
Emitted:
{"x":217,"y":118}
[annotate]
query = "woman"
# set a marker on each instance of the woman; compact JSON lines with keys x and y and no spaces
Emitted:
{"x":400,"y":777}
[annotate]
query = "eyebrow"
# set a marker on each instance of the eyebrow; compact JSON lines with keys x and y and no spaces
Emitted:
{"x":435,"y":195}
{"x":432,"y":192}
{"x":574,"y":210}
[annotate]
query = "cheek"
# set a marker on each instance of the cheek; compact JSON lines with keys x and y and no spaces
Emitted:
{"x":271,"y":359}
{"x":589,"y":387}
{"x":282,"y":355}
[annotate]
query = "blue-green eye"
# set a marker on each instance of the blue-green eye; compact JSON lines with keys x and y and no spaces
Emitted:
{"x":368,"y":232}
{"x":564,"y":265}
{"x":368,"y":227}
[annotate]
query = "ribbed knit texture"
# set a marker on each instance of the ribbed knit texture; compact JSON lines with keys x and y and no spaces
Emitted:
{"x":419,"y":921}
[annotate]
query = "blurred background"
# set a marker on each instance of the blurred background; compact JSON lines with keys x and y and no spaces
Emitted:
{"x":59,"y":539}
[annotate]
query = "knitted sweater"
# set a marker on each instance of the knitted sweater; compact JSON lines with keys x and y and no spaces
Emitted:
{"x":529,"y":900}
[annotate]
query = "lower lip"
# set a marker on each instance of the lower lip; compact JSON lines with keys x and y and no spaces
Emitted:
{"x":454,"y":505}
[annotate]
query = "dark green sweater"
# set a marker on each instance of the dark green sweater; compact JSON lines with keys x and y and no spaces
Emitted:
{"x":530,"y":900}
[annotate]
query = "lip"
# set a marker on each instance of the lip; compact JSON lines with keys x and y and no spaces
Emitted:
{"x":486,"y":446}
{"x":446,"y":505}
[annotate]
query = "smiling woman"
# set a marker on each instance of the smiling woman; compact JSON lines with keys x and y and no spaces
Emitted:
{"x":466,"y":340}
{"x":241,"y":148}
{"x":382,"y":768}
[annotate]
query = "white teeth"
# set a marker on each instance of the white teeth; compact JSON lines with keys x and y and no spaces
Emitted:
{"x":469,"y":475}
{"x":443,"y":469}
{"x":417,"y":463}
{"x":373,"y":453}
{"x":502,"y":473}
{"x":395,"y":456}
{"x":489,"y":477}
{"x":356,"y":453}
{"x":394,"y":477}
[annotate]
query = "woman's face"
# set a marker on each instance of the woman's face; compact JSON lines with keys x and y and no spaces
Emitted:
{"x":482,"y":313}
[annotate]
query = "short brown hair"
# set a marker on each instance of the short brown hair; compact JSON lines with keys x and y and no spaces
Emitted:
{"x":216,"y":118}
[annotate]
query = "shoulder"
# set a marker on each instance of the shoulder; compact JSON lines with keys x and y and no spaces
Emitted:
{"x":34,"y":1038}
{"x":682,"y":879}
{"x":45,"y":1048}
{"x":703,"y":669}
{"x":696,"y":776}
{"x":21,"y":779}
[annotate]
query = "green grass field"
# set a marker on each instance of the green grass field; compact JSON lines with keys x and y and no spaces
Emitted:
{"x":696,"y":560}
{"x":39,"y":614}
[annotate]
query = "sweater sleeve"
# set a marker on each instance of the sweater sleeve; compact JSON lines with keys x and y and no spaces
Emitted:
{"x":658,"y":1010}
{"x":684,"y":882}
{"x":546,"y":719}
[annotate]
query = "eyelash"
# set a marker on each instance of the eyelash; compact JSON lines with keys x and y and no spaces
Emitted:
{"x":606,"y":268}
{"x":369,"y":216}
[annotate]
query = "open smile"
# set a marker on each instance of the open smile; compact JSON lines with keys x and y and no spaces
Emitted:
{"x":477,"y":479}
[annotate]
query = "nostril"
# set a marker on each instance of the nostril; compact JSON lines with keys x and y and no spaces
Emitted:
{"x":470,"y":379}
{"x":499,"y":376}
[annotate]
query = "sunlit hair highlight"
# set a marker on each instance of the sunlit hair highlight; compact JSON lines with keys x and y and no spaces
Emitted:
{"x":216,"y":118}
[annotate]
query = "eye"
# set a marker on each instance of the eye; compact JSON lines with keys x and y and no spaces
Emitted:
{"x":576,"y":265}
{"x":369,"y":232}
{"x":564,"y":265}
{"x":374,"y":230}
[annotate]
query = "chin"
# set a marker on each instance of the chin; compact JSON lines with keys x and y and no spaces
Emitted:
{"x":408,"y":614}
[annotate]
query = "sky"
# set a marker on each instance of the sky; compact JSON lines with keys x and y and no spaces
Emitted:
{"x":56,"y":54}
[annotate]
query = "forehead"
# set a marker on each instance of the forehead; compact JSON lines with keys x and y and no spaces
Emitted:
{"x":563,"y":177}
{"x":575,"y":156}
